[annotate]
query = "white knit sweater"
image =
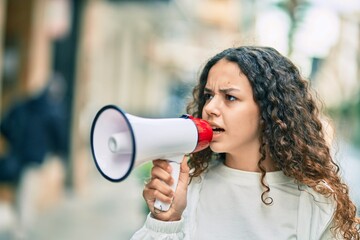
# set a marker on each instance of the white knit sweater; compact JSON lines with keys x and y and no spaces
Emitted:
{"x":225,"y":204}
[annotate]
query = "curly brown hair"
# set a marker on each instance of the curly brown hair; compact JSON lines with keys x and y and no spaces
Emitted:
{"x":291,"y":129}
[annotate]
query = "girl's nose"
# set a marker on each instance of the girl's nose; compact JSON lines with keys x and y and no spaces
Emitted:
{"x":212,"y":107}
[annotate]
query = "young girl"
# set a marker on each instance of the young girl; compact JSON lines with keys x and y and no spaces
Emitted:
{"x":268,"y":173}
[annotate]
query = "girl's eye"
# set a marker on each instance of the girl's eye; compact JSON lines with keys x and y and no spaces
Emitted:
{"x":207,"y":96}
{"x":230,"y":98}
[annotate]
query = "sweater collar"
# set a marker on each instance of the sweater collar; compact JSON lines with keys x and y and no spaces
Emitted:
{"x":247,"y":178}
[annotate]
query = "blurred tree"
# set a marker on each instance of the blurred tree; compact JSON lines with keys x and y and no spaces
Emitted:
{"x":296,"y":10}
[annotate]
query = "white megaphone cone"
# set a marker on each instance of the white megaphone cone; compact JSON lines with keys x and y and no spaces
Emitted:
{"x":120,"y":141}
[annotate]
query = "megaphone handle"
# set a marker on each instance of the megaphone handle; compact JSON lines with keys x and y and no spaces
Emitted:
{"x":175,"y":174}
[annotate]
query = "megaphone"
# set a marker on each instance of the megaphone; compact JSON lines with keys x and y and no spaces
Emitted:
{"x":120,"y":141}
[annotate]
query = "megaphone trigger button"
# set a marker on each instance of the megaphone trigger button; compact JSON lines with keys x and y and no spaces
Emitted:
{"x":157,"y":211}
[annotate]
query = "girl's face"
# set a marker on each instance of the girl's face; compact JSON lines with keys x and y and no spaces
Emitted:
{"x":231,"y":110}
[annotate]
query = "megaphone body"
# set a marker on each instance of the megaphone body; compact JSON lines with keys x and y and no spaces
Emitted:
{"x":120,"y":141}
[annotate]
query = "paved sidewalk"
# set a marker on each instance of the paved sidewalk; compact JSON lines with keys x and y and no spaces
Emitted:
{"x":110,"y":211}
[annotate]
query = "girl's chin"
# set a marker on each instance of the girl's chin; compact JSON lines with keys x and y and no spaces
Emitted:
{"x":216,"y":148}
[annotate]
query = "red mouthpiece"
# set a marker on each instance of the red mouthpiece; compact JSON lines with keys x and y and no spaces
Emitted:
{"x":205,"y":133}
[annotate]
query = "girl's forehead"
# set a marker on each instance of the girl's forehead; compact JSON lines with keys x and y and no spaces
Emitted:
{"x":214,"y":83}
{"x":226,"y":74}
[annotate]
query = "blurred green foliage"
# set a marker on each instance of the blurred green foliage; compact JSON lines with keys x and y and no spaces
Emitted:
{"x":143,"y":173}
{"x":347,"y":117}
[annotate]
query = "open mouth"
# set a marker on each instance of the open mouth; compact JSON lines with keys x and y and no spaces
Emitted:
{"x":218,"y":130}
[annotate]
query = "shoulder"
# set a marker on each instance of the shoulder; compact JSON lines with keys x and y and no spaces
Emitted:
{"x":319,"y":203}
{"x":315,"y":213}
{"x":317,"y":198}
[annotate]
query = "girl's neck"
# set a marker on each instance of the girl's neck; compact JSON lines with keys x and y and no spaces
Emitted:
{"x":249,"y":162}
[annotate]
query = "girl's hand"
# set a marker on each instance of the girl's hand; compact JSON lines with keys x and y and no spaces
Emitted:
{"x":159,"y":188}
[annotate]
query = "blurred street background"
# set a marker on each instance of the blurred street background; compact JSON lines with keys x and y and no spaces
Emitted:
{"x":62,"y":60}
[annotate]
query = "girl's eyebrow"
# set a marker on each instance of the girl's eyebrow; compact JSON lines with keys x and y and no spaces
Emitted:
{"x":227,"y":90}
{"x":208,"y":90}
{"x":224,"y":90}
